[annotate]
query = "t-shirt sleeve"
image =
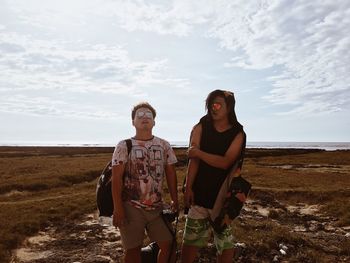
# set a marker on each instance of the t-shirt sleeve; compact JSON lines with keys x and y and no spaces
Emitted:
{"x":120,"y":154}
{"x":170,"y":154}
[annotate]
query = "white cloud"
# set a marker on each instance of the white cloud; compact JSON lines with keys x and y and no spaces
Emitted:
{"x":42,"y":64}
{"x":162,"y":17}
{"x":307,"y":39}
{"x":32,"y":64}
{"x":53,"y":107}
{"x":171,"y":18}
{"x":50,"y":14}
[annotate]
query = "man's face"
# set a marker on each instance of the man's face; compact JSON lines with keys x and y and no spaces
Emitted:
{"x":218,"y":108}
{"x":143,"y":119}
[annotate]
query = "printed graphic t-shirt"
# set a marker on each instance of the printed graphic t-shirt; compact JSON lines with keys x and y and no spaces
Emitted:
{"x":144,"y":171}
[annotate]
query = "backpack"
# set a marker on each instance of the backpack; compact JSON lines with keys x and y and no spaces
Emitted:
{"x":104,"y":197}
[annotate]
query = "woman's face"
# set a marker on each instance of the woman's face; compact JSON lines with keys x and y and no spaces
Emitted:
{"x":218,"y":108}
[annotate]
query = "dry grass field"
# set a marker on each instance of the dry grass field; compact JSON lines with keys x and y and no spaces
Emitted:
{"x":298,"y":210}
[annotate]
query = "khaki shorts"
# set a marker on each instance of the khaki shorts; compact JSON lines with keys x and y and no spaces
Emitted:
{"x":197,"y":231}
{"x":139,"y":220}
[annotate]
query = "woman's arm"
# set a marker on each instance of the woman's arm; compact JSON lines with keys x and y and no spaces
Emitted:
{"x":223,"y":162}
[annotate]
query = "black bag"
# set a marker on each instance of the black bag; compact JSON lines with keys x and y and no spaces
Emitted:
{"x":149,"y":254}
{"x":227,"y":206}
{"x":104,"y":197}
{"x":232,"y":205}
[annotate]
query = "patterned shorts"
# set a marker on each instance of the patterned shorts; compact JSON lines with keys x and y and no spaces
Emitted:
{"x":197,"y":231}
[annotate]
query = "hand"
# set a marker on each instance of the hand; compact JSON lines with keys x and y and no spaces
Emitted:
{"x":241,"y":197}
{"x":193,"y":152}
{"x":189,"y":197}
{"x":119,"y":218}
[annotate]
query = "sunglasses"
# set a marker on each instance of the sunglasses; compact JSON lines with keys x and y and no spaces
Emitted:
{"x":144,"y":114}
{"x":216,"y":106}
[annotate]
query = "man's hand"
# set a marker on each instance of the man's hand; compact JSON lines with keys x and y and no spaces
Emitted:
{"x":119,"y":218}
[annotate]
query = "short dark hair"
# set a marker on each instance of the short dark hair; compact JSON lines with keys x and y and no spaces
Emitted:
{"x":229,"y":100}
{"x":143,"y":105}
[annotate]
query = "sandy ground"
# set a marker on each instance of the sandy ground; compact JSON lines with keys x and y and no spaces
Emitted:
{"x":85,"y":240}
{"x":88,"y":241}
{"x":79,"y":241}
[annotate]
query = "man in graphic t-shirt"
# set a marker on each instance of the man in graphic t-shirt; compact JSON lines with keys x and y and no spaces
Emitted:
{"x":137,"y":186}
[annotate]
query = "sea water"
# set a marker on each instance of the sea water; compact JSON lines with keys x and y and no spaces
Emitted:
{"x":328,"y":146}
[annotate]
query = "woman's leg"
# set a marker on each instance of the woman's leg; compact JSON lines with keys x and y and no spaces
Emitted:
{"x":188,"y":253}
{"x":226,"y":256}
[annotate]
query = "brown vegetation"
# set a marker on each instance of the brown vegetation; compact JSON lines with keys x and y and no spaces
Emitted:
{"x":300,"y":202}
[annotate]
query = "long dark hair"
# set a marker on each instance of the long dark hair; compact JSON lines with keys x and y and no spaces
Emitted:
{"x":230,"y":104}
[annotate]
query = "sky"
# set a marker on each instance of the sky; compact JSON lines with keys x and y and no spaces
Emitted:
{"x":71,"y":71}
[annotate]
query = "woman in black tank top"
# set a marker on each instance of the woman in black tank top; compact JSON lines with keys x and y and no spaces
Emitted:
{"x":217,"y":143}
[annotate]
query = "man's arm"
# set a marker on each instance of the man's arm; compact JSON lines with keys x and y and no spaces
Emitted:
{"x":171,"y":178}
{"x":219,"y":161}
{"x":193,"y":165}
{"x":119,"y":218}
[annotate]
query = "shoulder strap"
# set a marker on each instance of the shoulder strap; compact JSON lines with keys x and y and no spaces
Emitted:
{"x":128,"y":145}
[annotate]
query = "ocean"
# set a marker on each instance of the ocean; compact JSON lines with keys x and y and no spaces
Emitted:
{"x":328,"y":146}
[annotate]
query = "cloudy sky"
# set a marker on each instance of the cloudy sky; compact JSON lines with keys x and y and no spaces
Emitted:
{"x":70,"y":71}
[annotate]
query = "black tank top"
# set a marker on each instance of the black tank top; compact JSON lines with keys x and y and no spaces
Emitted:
{"x":209,"y":179}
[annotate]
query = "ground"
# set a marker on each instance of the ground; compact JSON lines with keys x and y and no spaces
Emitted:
{"x":298,"y":209}
{"x":86,"y":240}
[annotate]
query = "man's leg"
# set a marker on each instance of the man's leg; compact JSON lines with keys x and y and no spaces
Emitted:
{"x":132,"y":234}
{"x":159,"y":232}
{"x":164,"y":251}
{"x":133,"y":255}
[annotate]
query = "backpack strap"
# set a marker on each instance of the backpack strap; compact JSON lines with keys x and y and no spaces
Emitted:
{"x":128,"y":145}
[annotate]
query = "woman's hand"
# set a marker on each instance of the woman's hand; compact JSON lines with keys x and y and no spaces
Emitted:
{"x":193,"y":152}
{"x":189,"y":197}
{"x":174,"y":206}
